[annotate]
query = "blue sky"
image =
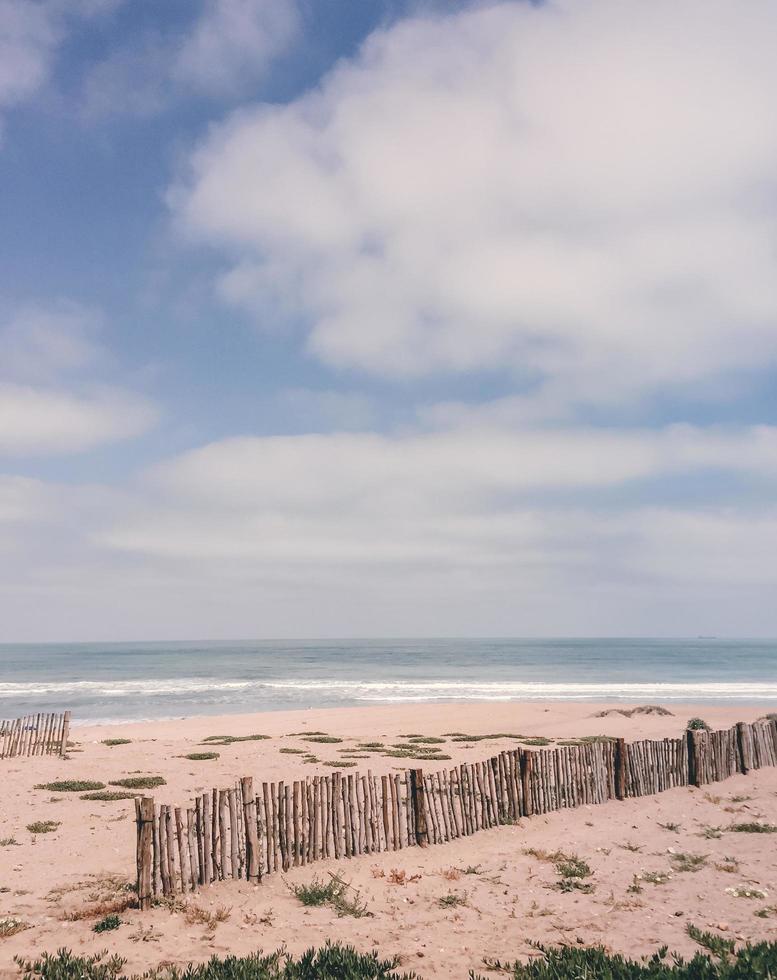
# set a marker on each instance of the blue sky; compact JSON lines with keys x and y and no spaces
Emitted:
{"x":386,"y":317}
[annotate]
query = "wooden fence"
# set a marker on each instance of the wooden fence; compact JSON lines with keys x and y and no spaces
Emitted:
{"x":246,"y":831}
{"x":35,"y":735}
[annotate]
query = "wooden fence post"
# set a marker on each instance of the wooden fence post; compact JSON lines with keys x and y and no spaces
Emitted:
{"x":253,"y":860}
{"x":526,"y":771}
{"x":144,"y":813}
{"x":419,"y":810}
{"x":620,"y":769}
{"x":65,"y":734}
{"x":694,"y":758}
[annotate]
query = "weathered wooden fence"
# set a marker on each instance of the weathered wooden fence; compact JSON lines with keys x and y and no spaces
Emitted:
{"x":246,"y":832}
{"x":35,"y":735}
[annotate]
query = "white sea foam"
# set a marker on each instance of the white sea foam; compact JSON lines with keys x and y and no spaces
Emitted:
{"x":468,"y":690}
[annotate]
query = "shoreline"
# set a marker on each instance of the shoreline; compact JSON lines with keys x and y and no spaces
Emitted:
{"x":486,"y":714}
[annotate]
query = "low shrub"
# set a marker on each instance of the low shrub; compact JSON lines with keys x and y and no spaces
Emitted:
{"x":116,"y":741}
{"x":335,"y":893}
{"x":697,"y":725}
{"x":201,"y":756}
{"x":136,"y":782}
{"x":229,"y":739}
{"x":332,"y":961}
{"x":43,"y":826}
{"x":107,"y":924}
{"x":71,"y":785}
{"x":109,"y":796}
{"x":750,"y":962}
{"x":752,"y":828}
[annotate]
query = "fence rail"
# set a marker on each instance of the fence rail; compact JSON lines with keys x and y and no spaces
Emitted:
{"x":35,"y":735}
{"x":247,"y":832}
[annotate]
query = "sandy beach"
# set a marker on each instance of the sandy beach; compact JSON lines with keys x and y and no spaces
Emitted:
{"x":442,"y":909}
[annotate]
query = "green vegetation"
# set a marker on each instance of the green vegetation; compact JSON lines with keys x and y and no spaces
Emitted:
{"x":536,"y":740}
{"x":109,"y":795}
{"x":336,"y":893}
{"x":743,"y":891}
{"x":673,"y":828}
{"x":116,"y":741}
{"x":720,"y":961}
{"x":107,"y":924}
{"x":687,"y":862}
{"x":339,"y":764}
{"x":43,"y":826}
{"x":654,"y":877}
{"x":292,"y":751}
{"x":452,"y":900}
{"x":750,"y":962}
{"x":330,"y":962}
{"x":323,"y":739}
{"x":10,"y":926}
{"x":716,"y":945}
{"x":8,"y":841}
{"x":201,"y":756}
{"x":426,"y":739}
{"x":229,"y":739}
{"x":71,"y":785}
{"x":136,"y":782}
{"x":752,"y":828}
{"x":697,"y":725}
{"x":711,"y":833}
{"x":571,"y":869}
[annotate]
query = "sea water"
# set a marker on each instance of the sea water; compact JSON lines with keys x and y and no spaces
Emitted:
{"x":135,"y":681}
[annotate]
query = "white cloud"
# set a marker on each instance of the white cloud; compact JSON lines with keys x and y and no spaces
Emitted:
{"x":468,"y":531}
{"x":44,"y":421}
{"x":578,"y":191}
{"x":475,"y":495}
{"x":42,"y":342}
{"x":235,"y":41}
{"x":228,"y":47}
{"x":29,"y":34}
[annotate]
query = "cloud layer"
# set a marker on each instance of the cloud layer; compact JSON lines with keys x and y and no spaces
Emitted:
{"x":543,"y":188}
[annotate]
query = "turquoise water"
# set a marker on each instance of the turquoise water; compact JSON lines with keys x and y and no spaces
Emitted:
{"x":132,"y":681}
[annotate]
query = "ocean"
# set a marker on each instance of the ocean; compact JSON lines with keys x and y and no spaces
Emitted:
{"x":135,"y":681}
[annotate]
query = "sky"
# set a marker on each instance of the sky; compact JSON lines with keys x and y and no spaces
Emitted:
{"x":329,"y":318}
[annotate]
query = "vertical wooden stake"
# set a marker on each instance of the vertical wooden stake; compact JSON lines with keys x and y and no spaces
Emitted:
{"x":144,"y":810}
{"x":419,"y":809}
{"x":253,"y":860}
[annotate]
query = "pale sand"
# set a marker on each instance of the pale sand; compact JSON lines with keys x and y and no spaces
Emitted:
{"x":509,"y":900}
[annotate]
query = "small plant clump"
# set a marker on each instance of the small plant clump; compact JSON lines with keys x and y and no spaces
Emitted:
{"x":697,"y":725}
{"x":339,"y":764}
{"x":201,"y":756}
{"x":744,"y":891}
{"x":688,"y":862}
{"x":109,"y":795}
{"x":752,"y":828}
{"x":9,"y":926}
{"x":116,"y":741}
{"x":452,"y":900}
{"x":322,"y":739}
{"x":8,"y":841}
{"x":71,"y":785}
{"x":43,"y":826}
{"x":229,"y":739}
{"x":137,"y":782}
{"x":335,"y":893}
{"x":107,"y":924}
